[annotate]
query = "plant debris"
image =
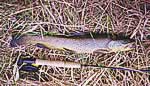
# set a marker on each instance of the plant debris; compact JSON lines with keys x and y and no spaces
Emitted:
{"x":130,"y":18}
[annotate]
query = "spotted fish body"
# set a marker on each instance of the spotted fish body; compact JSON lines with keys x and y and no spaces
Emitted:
{"x":79,"y":45}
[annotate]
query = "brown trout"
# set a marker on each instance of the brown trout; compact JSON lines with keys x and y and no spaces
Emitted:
{"x":78,"y":45}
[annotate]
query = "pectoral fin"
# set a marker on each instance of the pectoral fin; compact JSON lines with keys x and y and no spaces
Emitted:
{"x":43,"y":45}
{"x":101,"y":51}
{"x":69,"y":50}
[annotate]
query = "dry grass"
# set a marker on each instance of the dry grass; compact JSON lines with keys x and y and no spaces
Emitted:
{"x":69,"y":16}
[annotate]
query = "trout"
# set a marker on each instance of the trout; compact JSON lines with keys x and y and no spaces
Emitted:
{"x":78,"y":45}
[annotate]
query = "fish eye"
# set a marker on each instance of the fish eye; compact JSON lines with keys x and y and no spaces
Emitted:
{"x":124,"y":41}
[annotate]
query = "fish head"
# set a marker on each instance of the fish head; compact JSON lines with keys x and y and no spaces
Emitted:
{"x":120,"y":45}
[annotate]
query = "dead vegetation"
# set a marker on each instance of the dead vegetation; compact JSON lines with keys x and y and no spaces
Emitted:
{"x":128,"y":17}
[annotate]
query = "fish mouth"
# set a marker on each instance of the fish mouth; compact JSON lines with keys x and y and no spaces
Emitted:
{"x":119,"y":43}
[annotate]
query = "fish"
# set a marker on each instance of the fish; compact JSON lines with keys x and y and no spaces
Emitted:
{"x":75,"y":44}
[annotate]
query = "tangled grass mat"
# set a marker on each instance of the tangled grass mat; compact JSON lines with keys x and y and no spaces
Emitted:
{"x":129,"y":18}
